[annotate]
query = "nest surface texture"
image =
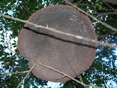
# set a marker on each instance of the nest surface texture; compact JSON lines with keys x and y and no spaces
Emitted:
{"x":64,"y":53}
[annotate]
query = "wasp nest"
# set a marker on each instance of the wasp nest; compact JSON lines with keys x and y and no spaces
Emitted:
{"x":59,"y":51}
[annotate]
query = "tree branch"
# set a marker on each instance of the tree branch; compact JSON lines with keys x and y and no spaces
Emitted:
{"x":103,"y":36}
{"x":13,"y":73}
{"x":67,"y":76}
{"x":108,"y":26}
{"x":28,"y":73}
{"x":37,"y":62}
{"x":21,"y":4}
{"x":108,"y":5}
{"x":59,"y":32}
{"x":107,"y":13}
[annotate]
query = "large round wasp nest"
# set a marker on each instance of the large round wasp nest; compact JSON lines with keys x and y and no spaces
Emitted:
{"x":59,"y":51}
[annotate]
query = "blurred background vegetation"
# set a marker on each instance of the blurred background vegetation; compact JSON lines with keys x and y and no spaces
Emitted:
{"x":103,"y":71}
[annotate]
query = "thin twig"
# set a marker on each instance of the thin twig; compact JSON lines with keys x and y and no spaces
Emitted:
{"x":94,"y":7}
{"x":11,"y":50}
{"x":28,"y":73}
{"x":103,"y":36}
{"x":108,"y":5}
{"x":103,"y":23}
{"x":26,"y":10}
{"x":21,"y":4}
{"x":67,"y":75}
{"x":13,"y":73}
{"x":80,"y":1}
{"x":48,"y":68}
{"x":59,"y":32}
{"x":9,"y":59}
{"x":107,"y":13}
{"x":80,"y":77}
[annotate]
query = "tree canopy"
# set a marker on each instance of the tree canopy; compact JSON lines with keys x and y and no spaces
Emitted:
{"x":103,"y":71}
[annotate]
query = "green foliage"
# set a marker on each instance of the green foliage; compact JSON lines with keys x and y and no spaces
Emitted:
{"x":99,"y":5}
{"x":103,"y":68}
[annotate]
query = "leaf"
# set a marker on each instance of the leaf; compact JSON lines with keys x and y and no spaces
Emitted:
{"x":99,"y":6}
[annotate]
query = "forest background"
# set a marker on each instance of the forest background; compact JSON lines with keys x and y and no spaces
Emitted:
{"x":103,"y":71}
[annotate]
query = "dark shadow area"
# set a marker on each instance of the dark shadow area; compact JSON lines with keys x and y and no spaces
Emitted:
{"x":64,"y":40}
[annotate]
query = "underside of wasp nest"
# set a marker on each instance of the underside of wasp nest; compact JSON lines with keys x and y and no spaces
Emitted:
{"x":59,"y":51}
